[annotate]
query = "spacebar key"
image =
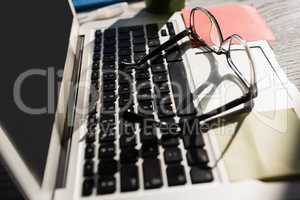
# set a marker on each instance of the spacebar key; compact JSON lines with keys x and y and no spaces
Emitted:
{"x":181,"y":90}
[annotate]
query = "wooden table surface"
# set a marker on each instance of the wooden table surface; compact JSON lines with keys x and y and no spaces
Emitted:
{"x":283,"y":17}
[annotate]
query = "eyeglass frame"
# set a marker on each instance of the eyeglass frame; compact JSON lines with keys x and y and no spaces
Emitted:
{"x":190,"y":32}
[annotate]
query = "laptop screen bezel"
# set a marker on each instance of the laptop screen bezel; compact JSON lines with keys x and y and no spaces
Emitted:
{"x":22,"y":175}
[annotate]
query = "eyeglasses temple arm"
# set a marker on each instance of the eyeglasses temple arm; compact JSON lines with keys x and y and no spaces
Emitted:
{"x":245,"y":98}
{"x":164,"y":46}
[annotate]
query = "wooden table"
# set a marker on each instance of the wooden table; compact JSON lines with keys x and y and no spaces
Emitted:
{"x":283,"y":16}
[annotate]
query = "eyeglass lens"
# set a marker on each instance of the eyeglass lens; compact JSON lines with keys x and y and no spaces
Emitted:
{"x":206,"y":28}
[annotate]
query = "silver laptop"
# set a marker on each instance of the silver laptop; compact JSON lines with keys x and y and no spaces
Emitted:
{"x":64,"y":94}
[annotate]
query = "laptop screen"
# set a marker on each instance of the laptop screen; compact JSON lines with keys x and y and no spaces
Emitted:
{"x":34,"y":40}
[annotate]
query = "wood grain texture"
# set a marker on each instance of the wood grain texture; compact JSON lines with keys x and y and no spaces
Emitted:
{"x":283,"y":17}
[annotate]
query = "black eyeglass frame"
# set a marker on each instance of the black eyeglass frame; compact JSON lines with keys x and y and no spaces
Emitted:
{"x":251,"y":87}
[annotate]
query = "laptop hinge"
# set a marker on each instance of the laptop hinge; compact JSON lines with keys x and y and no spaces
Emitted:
{"x":66,"y":139}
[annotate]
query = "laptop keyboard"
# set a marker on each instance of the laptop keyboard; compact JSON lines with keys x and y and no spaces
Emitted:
{"x":115,"y":147}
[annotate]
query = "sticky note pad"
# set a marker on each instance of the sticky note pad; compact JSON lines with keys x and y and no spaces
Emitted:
{"x":243,"y":20}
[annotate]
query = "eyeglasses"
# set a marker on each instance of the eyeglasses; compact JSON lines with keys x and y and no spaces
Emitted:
{"x":212,"y":39}
{"x":219,"y":46}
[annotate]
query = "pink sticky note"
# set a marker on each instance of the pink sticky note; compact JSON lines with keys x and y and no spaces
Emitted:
{"x":235,"y":19}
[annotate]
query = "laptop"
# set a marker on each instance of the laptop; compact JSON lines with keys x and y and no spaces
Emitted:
{"x":59,"y":84}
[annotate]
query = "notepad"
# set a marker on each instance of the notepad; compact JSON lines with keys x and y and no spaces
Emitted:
{"x":263,"y":149}
{"x":236,"y":19}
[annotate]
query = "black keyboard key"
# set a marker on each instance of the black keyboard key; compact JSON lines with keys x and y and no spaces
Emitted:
{"x":152,"y":174}
{"x":127,"y":141}
{"x":124,"y":52}
{"x":105,"y":127}
{"x":169,"y":141}
{"x":107,"y":150}
{"x":87,"y":187}
{"x":126,"y":128}
{"x":95,"y":66}
{"x":91,"y":130}
{"x":170,"y":127}
{"x":108,"y":67}
{"x":149,"y":151}
{"x":106,"y":185}
{"x":129,"y":155}
{"x":91,"y":127}
{"x":138,"y":40}
{"x":201,"y":175}
{"x":158,"y":68}
{"x":176,"y":175}
{"x":108,"y":97}
{"x":143,"y":84}
{"x":152,"y":32}
{"x":88,"y":168}
{"x":96,"y":57}
{"x":109,"y":86}
{"x":109,"y":50}
{"x":124,"y":36}
{"x":98,"y":33}
{"x":144,"y":95}
{"x":124,"y":44}
{"x":163,"y":32}
{"x":193,"y":140}
{"x":107,"y":135}
{"x":129,"y":178}
{"x":90,"y":138}
{"x":197,"y":157}
{"x":159,"y":59}
{"x":95,"y":75}
{"x":153,"y":43}
{"x":172,"y":155}
{"x":152,"y":27}
{"x":108,"y":108}
{"x":125,"y":29}
{"x":183,"y":100}
{"x":125,"y":76}
{"x":145,"y":107}
{"x":160,"y":77}
{"x":107,"y":167}
{"x":165,"y":111}
{"x":171,"y":29}
{"x":139,"y":48}
{"x":173,"y":56}
{"x":98,"y":40}
{"x":138,"y":33}
{"x":107,"y":119}
{"x":163,"y":98}
{"x":142,"y":75}
{"x":138,"y":56}
{"x":125,"y":99}
{"x":148,"y":136}
{"x":109,"y":76}
{"x":110,"y":32}
{"x":109,"y":58}
{"x":97,"y":49}
{"x":126,"y":59}
{"x":161,"y":88}
{"x":124,"y":88}
{"x":89,"y":151}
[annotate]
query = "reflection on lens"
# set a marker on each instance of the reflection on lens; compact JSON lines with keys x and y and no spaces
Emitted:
{"x":206,"y":28}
